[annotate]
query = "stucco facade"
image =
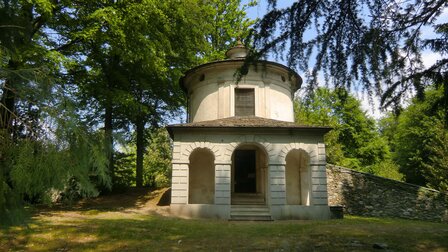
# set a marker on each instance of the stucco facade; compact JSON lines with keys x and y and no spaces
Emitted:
{"x":258,"y":166}
{"x":211,"y":90}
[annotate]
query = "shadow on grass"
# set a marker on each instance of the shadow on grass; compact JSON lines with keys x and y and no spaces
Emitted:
{"x":110,"y":223}
{"x":131,"y":198}
{"x":165,"y":200}
{"x":118,"y":231}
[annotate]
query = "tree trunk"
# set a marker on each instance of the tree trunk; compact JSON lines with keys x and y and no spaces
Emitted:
{"x":109,"y":141}
{"x":140,"y":130}
{"x":8,"y":101}
{"x":6,"y":108}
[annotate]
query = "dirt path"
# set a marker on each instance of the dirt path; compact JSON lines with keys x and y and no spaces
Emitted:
{"x":134,"y":200}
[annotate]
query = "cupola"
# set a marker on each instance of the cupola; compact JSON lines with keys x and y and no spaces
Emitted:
{"x":237,"y":52}
{"x":266,"y":91}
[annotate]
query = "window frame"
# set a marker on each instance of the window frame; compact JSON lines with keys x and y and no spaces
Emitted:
{"x":243,"y":108}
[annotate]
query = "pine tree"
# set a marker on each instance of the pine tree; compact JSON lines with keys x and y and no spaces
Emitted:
{"x":374,"y":44}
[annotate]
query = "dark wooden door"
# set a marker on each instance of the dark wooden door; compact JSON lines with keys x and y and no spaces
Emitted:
{"x":245,"y":171}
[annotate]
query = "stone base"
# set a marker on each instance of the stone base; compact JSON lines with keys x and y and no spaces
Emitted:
{"x":297,"y":212}
{"x":286,"y":212}
{"x":201,"y":211}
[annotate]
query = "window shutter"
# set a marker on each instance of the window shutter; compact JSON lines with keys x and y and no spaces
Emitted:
{"x":244,"y":102}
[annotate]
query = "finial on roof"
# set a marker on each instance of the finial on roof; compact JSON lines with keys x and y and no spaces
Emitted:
{"x":238,"y":42}
{"x":239,"y":51}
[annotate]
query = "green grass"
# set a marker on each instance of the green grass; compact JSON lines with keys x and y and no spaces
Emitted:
{"x":109,"y":231}
{"x":143,"y":229}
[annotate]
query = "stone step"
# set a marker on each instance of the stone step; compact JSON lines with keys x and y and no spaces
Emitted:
{"x":250,"y":208}
{"x":247,"y":199}
{"x":250,"y":213}
{"x":250,"y":218}
{"x":247,"y":202}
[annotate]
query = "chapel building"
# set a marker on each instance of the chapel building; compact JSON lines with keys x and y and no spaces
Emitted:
{"x":240,"y":156}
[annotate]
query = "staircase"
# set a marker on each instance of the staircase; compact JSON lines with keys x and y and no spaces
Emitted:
{"x":249,"y":207}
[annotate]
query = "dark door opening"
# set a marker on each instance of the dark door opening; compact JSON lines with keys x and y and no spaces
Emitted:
{"x":245,"y":171}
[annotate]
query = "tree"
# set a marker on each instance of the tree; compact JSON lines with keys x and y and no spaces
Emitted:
{"x":24,"y":61}
{"x":375,"y":44}
{"x":228,"y":22}
{"x":129,"y":66}
{"x":354,"y":141}
{"x":44,"y":145}
{"x":421,"y":141}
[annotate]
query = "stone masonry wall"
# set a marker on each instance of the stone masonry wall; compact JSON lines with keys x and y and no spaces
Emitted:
{"x":369,"y":195}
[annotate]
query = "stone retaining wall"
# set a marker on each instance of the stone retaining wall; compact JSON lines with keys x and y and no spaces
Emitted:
{"x":369,"y":195}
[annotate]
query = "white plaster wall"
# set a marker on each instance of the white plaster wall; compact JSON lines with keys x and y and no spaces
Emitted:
{"x":280,"y":106}
{"x":223,"y":144}
{"x":204,"y":100}
{"x":201,"y":177}
{"x":211,"y":92}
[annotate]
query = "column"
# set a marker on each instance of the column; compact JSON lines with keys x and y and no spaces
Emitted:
{"x":277,"y":184}
{"x":319,"y":178}
{"x":222,"y":183}
{"x":179,"y":184}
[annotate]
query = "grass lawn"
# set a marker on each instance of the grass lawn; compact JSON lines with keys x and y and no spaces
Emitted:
{"x":135,"y":223}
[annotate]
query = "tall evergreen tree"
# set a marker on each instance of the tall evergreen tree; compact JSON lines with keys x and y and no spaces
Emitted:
{"x":374,"y":44}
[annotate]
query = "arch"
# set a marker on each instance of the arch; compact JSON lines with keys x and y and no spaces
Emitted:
{"x":248,"y":145}
{"x":201,"y":177}
{"x":249,"y":173}
{"x":310,"y":149}
{"x":298,"y":177}
{"x":262,"y":143}
{"x":214,"y":149}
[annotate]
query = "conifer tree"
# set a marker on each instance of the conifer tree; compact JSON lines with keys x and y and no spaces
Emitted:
{"x":374,"y":44}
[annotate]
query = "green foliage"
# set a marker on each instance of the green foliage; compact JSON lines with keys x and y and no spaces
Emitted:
{"x":157,"y":161}
{"x":354,"y":141}
{"x":436,"y":169}
{"x":70,"y":69}
{"x":124,"y":172}
{"x":386,"y":168}
{"x":421,"y":141}
{"x":44,"y":171}
{"x":44,"y":147}
{"x":374,"y":44}
{"x":131,"y":66}
{"x":227,"y":22}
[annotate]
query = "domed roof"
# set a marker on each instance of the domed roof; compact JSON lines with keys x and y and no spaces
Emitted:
{"x":236,"y":56}
{"x":237,"y":52}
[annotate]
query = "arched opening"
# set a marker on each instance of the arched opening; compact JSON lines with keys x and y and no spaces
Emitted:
{"x":298,"y":178}
{"x":201,"y":182}
{"x":249,"y":166}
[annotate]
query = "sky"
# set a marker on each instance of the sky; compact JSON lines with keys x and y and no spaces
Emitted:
{"x":428,"y":57}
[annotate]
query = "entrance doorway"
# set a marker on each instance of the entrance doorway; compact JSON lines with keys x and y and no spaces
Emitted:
{"x":249,"y":167}
{"x":245,"y":179}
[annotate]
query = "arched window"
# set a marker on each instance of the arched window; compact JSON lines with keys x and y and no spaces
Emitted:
{"x":201,"y":183}
{"x":298,"y":178}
